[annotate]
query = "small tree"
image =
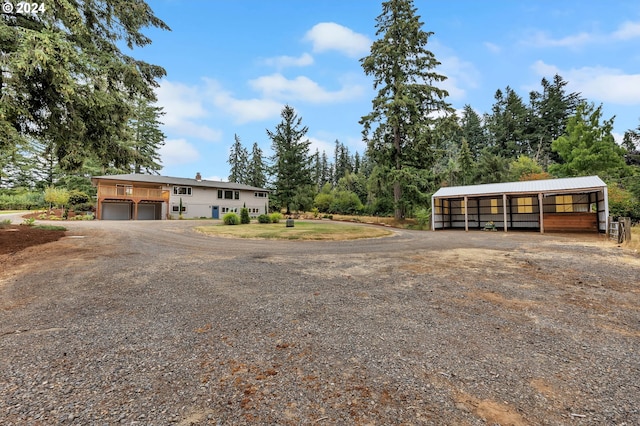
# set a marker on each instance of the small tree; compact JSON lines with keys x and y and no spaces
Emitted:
{"x":244,"y":216}
{"x":58,"y":197}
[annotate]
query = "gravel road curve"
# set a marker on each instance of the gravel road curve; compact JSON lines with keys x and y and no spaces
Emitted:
{"x":151,"y":323}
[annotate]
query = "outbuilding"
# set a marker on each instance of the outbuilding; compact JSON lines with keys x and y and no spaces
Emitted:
{"x":568,"y":204}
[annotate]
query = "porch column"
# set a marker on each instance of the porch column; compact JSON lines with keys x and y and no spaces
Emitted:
{"x":135,"y":210}
{"x":466,"y":215}
{"x":504,"y":211}
{"x":541,"y":213}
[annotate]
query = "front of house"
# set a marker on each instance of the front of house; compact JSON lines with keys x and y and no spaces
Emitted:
{"x":148,"y":197}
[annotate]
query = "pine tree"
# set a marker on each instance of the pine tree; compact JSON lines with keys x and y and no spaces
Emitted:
{"x":291,"y":164}
{"x":146,"y":136}
{"x":257,"y":170}
{"x":65,"y":80}
{"x":404,"y":76}
{"x":239,"y":162}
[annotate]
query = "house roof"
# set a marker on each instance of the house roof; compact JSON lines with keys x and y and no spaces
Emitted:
{"x":574,"y":184}
{"x":169,"y":180}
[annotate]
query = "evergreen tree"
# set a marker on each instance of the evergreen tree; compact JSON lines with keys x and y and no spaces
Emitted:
{"x":65,"y":80}
{"x":291,"y":164}
{"x":508,"y":125}
{"x":550,"y":111}
{"x":473,"y":131}
{"x":404,"y":76}
{"x":257,"y":170}
{"x":239,"y":162}
{"x":342,"y":162}
{"x":587,"y":147}
{"x":146,"y":136}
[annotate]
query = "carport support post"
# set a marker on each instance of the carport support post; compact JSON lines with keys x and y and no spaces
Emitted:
{"x":504,"y":211}
{"x":466,"y":215}
{"x":135,"y":210}
{"x":541,"y":213}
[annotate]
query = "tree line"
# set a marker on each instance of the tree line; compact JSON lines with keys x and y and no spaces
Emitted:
{"x":417,"y":143}
{"x":73,"y":105}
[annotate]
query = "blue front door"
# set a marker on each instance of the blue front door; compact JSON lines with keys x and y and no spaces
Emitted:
{"x":215,"y":213}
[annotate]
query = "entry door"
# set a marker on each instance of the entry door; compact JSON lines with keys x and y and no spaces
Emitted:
{"x":215,"y":212}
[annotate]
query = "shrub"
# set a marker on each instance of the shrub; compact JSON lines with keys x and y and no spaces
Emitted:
{"x":29,"y":222}
{"x":244,"y":216}
{"x":77,"y":198}
{"x":231,"y":218}
{"x":423,"y":218}
{"x":275,"y":217}
{"x":264,"y":218}
{"x":5,"y":222}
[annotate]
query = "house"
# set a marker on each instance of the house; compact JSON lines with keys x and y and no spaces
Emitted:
{"x":148,"y":197}
{"x":569,"y":204}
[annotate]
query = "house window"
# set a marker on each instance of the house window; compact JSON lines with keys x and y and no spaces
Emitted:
{"x":181,"y":190}
{"x":494,"y":206}
{"x":564,"y":203}
{"x":176,"y":208}
{"x":236,"y":195}
{"x":124,"y":190}
{"x":228,"y":195}
{"x":260,"y":194}
{"x":219,"y":193}
{"x":525,"y":205}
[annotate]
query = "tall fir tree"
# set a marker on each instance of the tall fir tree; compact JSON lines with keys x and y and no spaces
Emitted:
{"x":65,"y":80}
{"x":291,"y":163}
{"x":257,"y":170}
{"x":238,"y":161}
{"x":146,"y":136}
{"x":404,"y":76}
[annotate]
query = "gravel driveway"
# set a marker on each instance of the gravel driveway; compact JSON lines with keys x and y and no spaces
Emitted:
{"x":150,"y":323}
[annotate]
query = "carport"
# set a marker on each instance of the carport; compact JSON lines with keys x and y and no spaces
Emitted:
{"x":569,"y":204}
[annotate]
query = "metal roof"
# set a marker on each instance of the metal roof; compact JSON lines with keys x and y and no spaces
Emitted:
{"x":573,"y":184}
{"x":169,"y":180}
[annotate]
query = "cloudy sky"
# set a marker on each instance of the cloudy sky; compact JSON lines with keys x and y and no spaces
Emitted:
{"x":233,"y":64}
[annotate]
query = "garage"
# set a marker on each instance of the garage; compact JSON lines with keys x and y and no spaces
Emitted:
{"x":149,"y":211}
{"x":116,"y":211}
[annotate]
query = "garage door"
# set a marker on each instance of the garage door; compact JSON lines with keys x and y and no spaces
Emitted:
{"x":116,"y":211}
{"x":146,"y":211}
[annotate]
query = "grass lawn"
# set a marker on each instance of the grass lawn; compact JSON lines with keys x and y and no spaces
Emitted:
{"x":315,"y":230}
{"x":13,"y":211}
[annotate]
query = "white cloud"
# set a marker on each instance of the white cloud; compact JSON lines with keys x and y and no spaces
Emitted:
{"x":493,"y":48}
{"x":281,"y":62}
{"x":302,"y":88}
{"x":322,"y":145}
{"x":542,"y":39}
{"x":331,"y":36}
{"x":627,"y":31}
{"x":242,"y":110}
{"x":183,"y":108}
{"x":175,"y":152}
{"x":459,"y":74}
{"x":597,"y":83}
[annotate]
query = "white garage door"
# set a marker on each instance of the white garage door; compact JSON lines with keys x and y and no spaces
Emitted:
{"x":116,"y":211}
{"x":146,"y":211}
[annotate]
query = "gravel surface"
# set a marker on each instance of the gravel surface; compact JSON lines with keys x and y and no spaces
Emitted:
{"x":150,"y":323}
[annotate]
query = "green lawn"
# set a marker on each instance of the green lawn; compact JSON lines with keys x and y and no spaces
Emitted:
{"x":13,"y":211}
{"x":316,"y":231}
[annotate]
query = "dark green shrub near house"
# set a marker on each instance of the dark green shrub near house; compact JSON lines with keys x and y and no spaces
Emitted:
{"x":244,"y":216}
{"x":264,"y":218}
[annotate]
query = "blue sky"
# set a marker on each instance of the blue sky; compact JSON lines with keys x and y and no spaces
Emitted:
{"x":233,"y":64}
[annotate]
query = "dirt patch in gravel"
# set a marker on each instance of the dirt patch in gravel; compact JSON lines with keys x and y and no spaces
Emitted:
{"x":152,"y":323}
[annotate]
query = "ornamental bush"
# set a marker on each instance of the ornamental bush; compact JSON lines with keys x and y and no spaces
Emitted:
{"x":264,"y":218}
{"x":244,"y":216}
{"x":231,"y":219}
{"x":275,"y":217}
